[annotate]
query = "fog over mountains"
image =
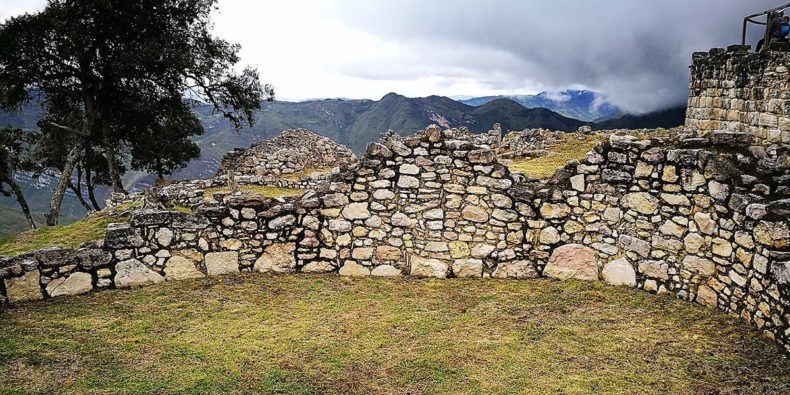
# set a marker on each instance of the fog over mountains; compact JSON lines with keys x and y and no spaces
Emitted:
{"x":583,"y":105}
{"x":353,"y":123}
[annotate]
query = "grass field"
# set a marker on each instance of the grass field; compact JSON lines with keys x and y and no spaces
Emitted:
{"x":306,"y":335}
{"x":572,"y":146}
{"x":71,"y":235}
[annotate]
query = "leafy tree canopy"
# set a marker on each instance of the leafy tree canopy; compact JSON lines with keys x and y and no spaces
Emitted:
{"x":114,"y":74}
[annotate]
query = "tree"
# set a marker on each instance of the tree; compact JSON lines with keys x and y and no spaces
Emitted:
{"x":14,"y":157}
{"x":90,"y":58}
{"x":176,"y":126}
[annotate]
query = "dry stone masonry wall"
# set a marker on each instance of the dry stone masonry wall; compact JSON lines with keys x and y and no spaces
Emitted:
{"x":294,"y":158}
{"x":704,"y":219}
{"x":739,"y":91}
{"x":432,"y":204}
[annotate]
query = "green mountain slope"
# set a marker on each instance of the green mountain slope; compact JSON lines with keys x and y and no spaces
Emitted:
{"x":513,"y":116}
{"x":668,"y":118}
{"x":577,"y":104}
{"x":405,"y":115}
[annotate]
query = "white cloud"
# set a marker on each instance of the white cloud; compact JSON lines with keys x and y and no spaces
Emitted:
{"x":635,"y":52}
{"x":17,"y":7}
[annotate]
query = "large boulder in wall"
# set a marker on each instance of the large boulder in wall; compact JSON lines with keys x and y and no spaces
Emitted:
{"x":277,"y":258}
{"x":572,"y":261}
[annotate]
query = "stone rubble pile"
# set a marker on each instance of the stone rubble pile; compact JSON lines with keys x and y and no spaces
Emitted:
{"x":705,"y":219}
{"x":297,"y":158}
{"x":528,"y":143}
{"x":286,"y":160}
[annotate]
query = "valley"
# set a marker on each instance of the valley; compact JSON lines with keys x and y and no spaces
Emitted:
{"x":353,"y":123}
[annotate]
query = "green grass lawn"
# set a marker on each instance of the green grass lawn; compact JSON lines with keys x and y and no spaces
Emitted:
{"x":308,"y":334}
{"x":71,"y":235}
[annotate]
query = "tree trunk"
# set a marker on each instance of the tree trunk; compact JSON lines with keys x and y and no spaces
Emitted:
{"x":77,"y":189}
{"x":91,"y":191}
{"x":159,"y":172}
{"x":94,"y":123}
{"x":78,"y":192}
{"x":60,"y":188}
{"x":20,"y":198}
{"x":80,"y":197}
{"x":109,"y":154}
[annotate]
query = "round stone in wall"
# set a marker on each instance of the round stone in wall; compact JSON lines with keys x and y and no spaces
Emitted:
{"x":277,"y":258}
{"x":353,"y":269}
{"x":133,"y":273}
{"x":516,"y":269}
{"x":181,"y":268}
{"x":26,"y":287}
{"x":619,"y":272}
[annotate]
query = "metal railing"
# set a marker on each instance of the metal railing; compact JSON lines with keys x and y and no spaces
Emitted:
{"x":768,"y":16}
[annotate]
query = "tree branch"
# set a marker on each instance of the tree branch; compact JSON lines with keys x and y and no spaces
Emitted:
{"x":68,"y":129}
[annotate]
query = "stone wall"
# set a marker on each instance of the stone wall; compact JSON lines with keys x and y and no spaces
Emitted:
{"x":738,"y":91}
{"x":704,"y":219}
{"x":432,"y":204}
{"x":287,"y":160}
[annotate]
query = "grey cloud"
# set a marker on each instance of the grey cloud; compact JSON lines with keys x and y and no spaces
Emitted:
{"x":414,"y":61}
{"x":637,"y":52}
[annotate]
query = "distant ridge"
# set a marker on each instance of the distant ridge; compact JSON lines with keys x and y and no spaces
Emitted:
{"x":668,"y":118}
{"x":405,"y":115}
{"x":583,"y":105}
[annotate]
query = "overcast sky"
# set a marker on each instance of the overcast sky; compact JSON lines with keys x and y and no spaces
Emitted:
{"x":635,"y":52}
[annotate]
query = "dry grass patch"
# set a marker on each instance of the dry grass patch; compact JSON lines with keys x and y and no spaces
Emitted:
{"x":572,"y":146}
{"x":309,"y":334}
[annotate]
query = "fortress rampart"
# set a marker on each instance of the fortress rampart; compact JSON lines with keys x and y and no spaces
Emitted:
{"x":739,"y":91}
{"x":703,"y":217}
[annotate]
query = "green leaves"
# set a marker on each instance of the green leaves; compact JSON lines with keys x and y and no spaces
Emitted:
{"x":114,"y":74}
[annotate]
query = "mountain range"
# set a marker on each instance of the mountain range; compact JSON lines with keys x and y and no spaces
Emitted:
{"x":583,"y":105}
{"x":353,"y":123}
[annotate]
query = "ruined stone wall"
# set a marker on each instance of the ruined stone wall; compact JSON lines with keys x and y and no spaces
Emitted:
{"x":738,"y":91}
{"x":295,"y":158}
{"x":704,"y":219}
{"x":432,"y":204}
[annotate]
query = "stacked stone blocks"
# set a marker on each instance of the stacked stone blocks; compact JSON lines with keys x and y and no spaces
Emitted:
{"x":287,"y":160}
{"x":735,"y":90}
{"x":704,"y":219}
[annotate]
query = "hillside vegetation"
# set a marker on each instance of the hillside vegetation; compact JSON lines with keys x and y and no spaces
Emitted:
{"x":316,"y":335}
{"x":258,"y":190}
{"x":71,"y":235}
{"x":578,"y":104}
{"x":668,"y":118}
